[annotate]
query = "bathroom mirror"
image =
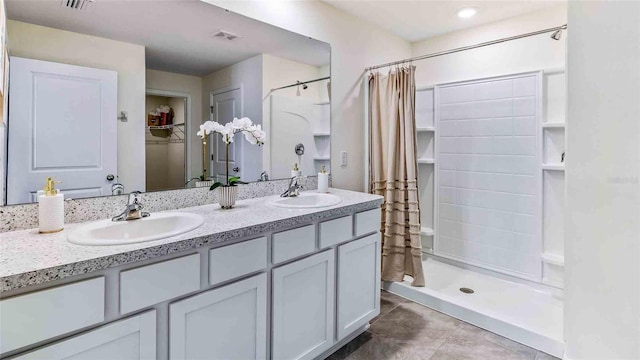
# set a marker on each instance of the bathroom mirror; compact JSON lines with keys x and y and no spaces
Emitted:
{"x":107,"y":96}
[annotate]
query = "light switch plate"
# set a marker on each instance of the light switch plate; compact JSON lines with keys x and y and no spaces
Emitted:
{"x":343,"y":158}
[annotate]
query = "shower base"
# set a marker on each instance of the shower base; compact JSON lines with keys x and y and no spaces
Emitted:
{"x":526,"y":313}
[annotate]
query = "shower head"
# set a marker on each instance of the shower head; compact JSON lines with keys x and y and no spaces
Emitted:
{"x":557,"y":34}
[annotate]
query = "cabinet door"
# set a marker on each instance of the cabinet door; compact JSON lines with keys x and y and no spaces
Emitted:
{"x":133,"y":338}
{"x":225,"y":323}
{"x":358,"y":283}
{"x":303,"y":307}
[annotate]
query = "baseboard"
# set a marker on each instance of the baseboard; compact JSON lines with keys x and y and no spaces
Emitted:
{"x":343,"y":342}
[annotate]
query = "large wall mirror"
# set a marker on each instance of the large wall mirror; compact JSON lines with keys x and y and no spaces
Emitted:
{"x":107,"y":96}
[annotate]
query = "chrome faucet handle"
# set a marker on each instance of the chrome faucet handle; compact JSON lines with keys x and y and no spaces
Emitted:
{"x":133,"y":210}
{"x":134,"y":198}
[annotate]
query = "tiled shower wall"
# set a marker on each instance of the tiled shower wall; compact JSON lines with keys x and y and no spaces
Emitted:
{"x":488,"y":174}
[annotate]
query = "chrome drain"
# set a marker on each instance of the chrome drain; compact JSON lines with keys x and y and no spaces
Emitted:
{"x":467,"y":290}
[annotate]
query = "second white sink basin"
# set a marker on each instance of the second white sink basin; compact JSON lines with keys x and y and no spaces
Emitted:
{"x":155,"y":227}
{"x":305,"y":200}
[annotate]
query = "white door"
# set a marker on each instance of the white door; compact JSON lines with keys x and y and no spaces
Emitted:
{"x":222,"y":324}
{"x":358,"y":283}
{"x":224,"y":107}
{"x":303,"y":304}
{"x":62,"y":123}
{"x":133,"y":338}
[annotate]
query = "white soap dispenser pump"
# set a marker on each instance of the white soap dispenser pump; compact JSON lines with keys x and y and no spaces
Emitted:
{"x":50,"y":208}
{"x":323,"y":181}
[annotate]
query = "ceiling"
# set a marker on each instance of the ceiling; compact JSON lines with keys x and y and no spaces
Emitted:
{"x":417,"y":20}
{"x":177,"y":34}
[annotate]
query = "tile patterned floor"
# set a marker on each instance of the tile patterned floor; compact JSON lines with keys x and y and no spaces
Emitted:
{"x":405,"y":330}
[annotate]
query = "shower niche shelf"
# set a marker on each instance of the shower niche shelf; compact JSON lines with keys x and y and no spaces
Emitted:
{"x":426,"y":161}
{"x":553,"y":167}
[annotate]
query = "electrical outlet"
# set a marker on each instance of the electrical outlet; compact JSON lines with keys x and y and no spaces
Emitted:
{"x":343,"y":158}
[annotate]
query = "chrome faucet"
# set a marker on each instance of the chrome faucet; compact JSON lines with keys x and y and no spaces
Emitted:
{"x":133,"y":211}
{"x":294,"y":187}
{"x":264,"y":176}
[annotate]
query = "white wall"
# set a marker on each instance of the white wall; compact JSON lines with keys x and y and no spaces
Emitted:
{"x":533,"y":53}
{"x":44,"y":43}
{"x":192,"y":85}
{"x":355,"y":45}
{"x":602,"y":255}
{"x":246,"y":75}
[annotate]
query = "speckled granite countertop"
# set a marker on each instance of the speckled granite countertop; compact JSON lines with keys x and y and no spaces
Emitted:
{"x":29,"y":258}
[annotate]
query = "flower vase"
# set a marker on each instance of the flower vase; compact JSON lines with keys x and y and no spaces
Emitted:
{"x":227,"y":196}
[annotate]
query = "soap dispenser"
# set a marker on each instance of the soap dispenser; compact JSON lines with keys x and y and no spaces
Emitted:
{"x":50,"y":208}
{"x":296,"y":171}
{"x":323,"y":181}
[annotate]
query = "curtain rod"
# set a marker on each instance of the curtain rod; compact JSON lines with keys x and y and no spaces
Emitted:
{"x":464,"y":48}
{"x":302,"y":83}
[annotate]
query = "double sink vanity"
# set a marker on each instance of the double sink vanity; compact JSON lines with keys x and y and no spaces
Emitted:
{"x":273,"y":278}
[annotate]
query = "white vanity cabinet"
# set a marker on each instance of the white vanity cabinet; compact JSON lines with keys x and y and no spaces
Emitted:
{"x":133,"y":338}
{"x":298,"y":292}
{"x":303,"y":304}
{"x":228,"y":323}
{"x":358,"y":284}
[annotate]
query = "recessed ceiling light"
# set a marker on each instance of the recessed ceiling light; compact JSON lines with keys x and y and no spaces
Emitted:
{"x":467,"y":13}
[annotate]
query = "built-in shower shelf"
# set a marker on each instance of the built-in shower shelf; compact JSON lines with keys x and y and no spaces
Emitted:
{"x":426,"y":161}
{"x":553,"y":259}
{"x":321,"y":134}
{"x":553,"y":167}
{"x":426,"y":231}
{"x":322,"y":158}
{"x":553,"y":125}
{"x":426,"y":129}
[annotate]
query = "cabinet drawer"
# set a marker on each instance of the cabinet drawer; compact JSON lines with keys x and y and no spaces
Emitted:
{"x":368,"y":222}
{"x":293,"y":243}
{"x":336,"y":231}
{"x":232,"y":261}
{"x":151,"y":284}
{"x":27,"y":319}
{"x":131,"y":338}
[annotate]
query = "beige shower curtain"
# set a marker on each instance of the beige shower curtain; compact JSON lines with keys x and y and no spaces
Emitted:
{"x":394,"y":171}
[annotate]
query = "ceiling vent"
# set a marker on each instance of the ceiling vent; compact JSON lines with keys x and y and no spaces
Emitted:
{"x":75,"y":4}
{"x":222,"y":34}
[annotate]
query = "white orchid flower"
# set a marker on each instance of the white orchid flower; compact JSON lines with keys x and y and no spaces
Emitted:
{"x":242,"y":123}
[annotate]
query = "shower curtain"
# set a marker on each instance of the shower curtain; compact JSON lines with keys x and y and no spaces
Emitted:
{"x":394,"y":171}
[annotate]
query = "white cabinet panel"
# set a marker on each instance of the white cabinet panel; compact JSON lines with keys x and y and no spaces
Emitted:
{"x":336,"y":231}
{"x":151,"y":284}
{"x":133,"y":338}
{"x":27,"y":319}
{"x":293,"y":243}
{"x":229,"y":262}
{"x":226,"y":323}
{"x":358,"y":283}
{"x":368,"y":221}
{"x":303,"y":307}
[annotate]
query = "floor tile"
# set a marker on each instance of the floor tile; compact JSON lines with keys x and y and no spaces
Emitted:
{"x":469,"y":332}
{"x":405,"y":330}
{"x":544,"y":356}
{"x":388,"y":302}
{"x":410,"y":322}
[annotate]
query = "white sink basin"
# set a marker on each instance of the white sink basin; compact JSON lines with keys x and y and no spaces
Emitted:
{"x":305,"y":200}
{"x":155,"y":227}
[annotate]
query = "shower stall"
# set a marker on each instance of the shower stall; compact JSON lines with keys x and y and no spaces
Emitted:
{"x":491,"y":158}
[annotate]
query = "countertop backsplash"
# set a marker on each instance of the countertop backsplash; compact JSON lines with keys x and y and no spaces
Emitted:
{"x":21,"y":217}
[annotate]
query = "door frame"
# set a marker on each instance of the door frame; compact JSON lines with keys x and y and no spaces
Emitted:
{"x":217,"y":92}
{"x":187,"y":125}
